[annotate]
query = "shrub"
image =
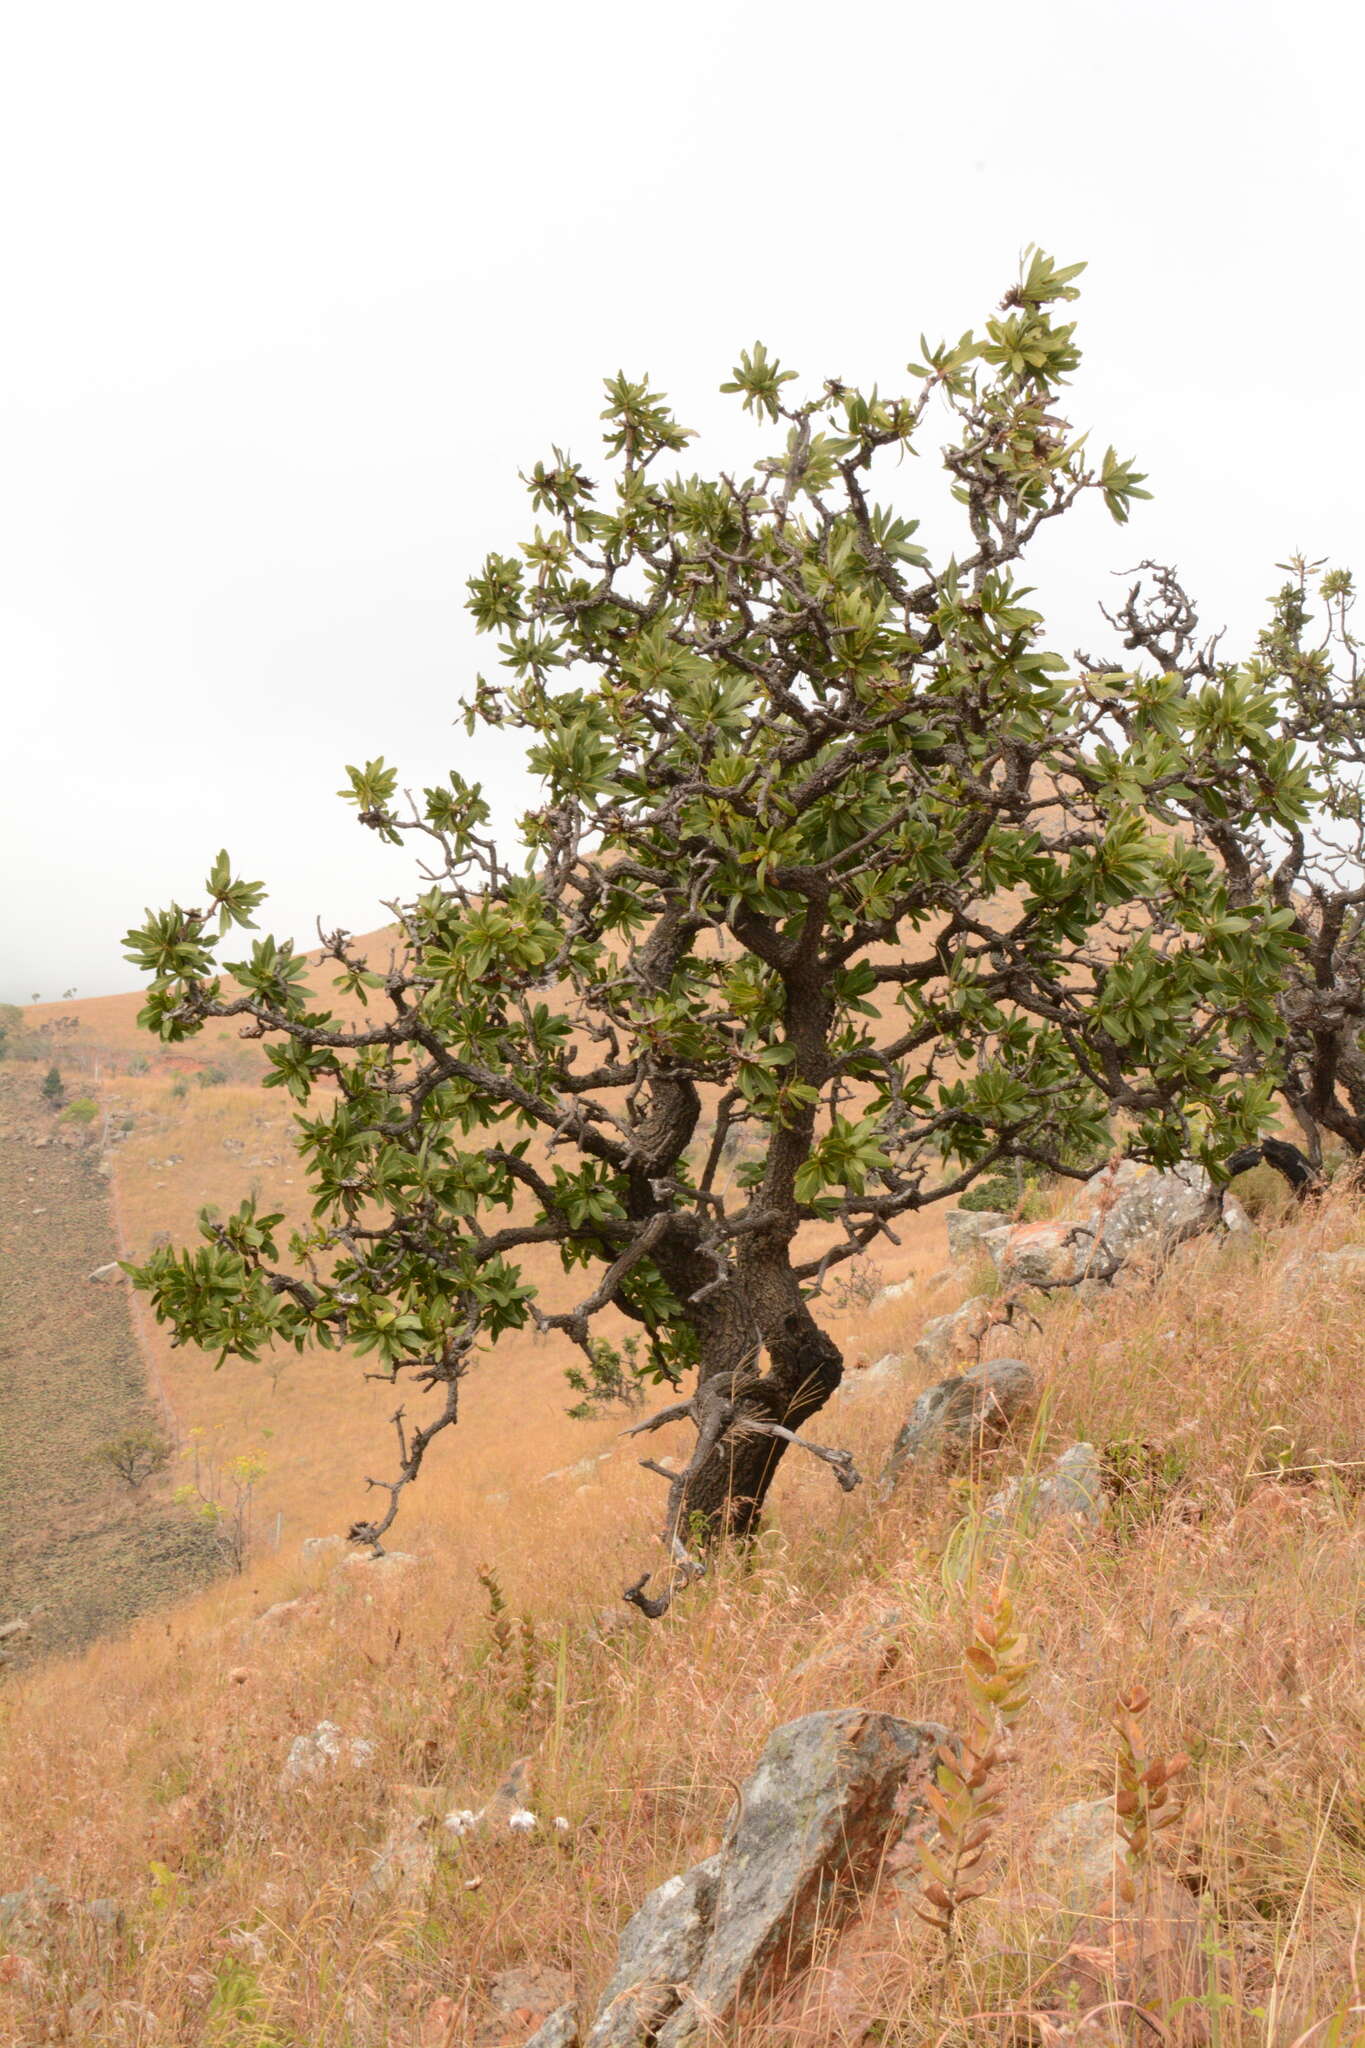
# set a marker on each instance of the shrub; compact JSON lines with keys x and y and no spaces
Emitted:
{"x":83,"y":1110}
{"x":53,"y":1087}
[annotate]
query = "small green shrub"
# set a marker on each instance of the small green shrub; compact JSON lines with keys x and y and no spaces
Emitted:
{"x":83,"y":1110}
{"x":999,"y":1192}
{"x":53,"y":1086}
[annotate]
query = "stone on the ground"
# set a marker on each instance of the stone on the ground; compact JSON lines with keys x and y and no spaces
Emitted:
{"x":390,"y":1564}
{"x":1122,"y":1213}
{"x":324,"y":1750}
{"x":404,"y":1863}
{"x":962,"y":1416}
{"x":894,"y":1292}
{"x":322,"y":1549}
{"x":103,"y":1272}
{"x":967,"y":1228}
{"x":882,"y":1373}
{"x":961,"y":1334}
{"x":560,"y":2030}
{"x":1071,"y":1489}
{"x":807,"y":1839}
{"x":1346,"y":1264}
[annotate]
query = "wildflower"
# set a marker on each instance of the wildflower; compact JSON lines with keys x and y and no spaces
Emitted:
{"x":522,"y":1820}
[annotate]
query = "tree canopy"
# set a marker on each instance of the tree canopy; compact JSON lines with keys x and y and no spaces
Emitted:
{"x":845,"y":887}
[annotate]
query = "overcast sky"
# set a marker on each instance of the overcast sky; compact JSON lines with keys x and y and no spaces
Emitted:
{"x":293,"y":290}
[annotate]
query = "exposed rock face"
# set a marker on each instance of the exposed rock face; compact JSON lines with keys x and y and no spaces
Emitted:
{"x":1122,"y":1213}
{"x":962,"y":1416}
{"x":1071,"y":1490}
{"x":809,"y":1832}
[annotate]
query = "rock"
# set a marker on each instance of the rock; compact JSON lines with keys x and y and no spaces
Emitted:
{"x":661,"y":1948}
{"x":809,"y":1833}
{"x":559,"y":2031}
{"x":962,"y":1416}
{"x":945,"y":1340}
{"x":284,"y":1613}
{"x":103,"y":1272}
{"x":322,"y":1549}
{"x":895,"y":1292}
{"x":1072,"y":1490}
{"x":1347,"y":1265}
{"x":390,"y":1564}
{"x":1236,"y":1222}
{"x":966,"y":1230}
{"x":325,"y":1750}
{"x":882,"y":1373}
{"x":1121,"y":1213}
{"x":10,"y":1629}
{"x":1147,"y":1950}
{"x":404,"y":1863}
{"x":1043,"y":1254}
{"x":808,"y":1837}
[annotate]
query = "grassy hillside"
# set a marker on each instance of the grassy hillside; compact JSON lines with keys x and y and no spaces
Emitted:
{"x":1230,"y":1580}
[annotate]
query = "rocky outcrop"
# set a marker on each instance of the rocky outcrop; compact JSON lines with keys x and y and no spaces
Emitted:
{"x":961,"y":1417}
{"x":1124,"y":1213}
{"x":807,"y":1838}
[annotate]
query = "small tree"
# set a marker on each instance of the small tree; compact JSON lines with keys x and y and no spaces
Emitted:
{"x":833,"y":853}
{"x":135,"y":1455}
{"x":53,"y":1087}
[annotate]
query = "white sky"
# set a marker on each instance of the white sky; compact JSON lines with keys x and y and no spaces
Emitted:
{"x":293,"y":290}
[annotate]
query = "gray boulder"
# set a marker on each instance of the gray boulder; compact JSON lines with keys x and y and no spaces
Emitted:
{"x":1121,"y":1214}
{"x":808,"y":1835}
{"x":560,"y":2030}
{"x":1071,"y":1490}
{"x":661,"y":1949}
{"x":961,"y":1334}
{"x":962,"y":1416}
{"x":967,"y":1228}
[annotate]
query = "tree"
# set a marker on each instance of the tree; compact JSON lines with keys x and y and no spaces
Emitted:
{"x":1305,"y":677}
{"x":834,"y":855}
{"x":135,"y":1455}
{"x":53,"y":1086}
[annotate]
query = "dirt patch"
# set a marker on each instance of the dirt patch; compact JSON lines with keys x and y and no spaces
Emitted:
{"x":80,"y":1553}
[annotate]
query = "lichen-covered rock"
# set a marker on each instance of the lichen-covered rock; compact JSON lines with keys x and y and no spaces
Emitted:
{"x":808,"y":1836}
{"x":1070,"y":1490}
{"x":560,"y":2030}
{"x":661,"y":1949}
{"x":962,"y":1416}
{"x":966,"y":1230}
{"x":1123,"y":1213}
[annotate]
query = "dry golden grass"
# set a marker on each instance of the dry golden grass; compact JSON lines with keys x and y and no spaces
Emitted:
{"x":1231,"y":1582}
